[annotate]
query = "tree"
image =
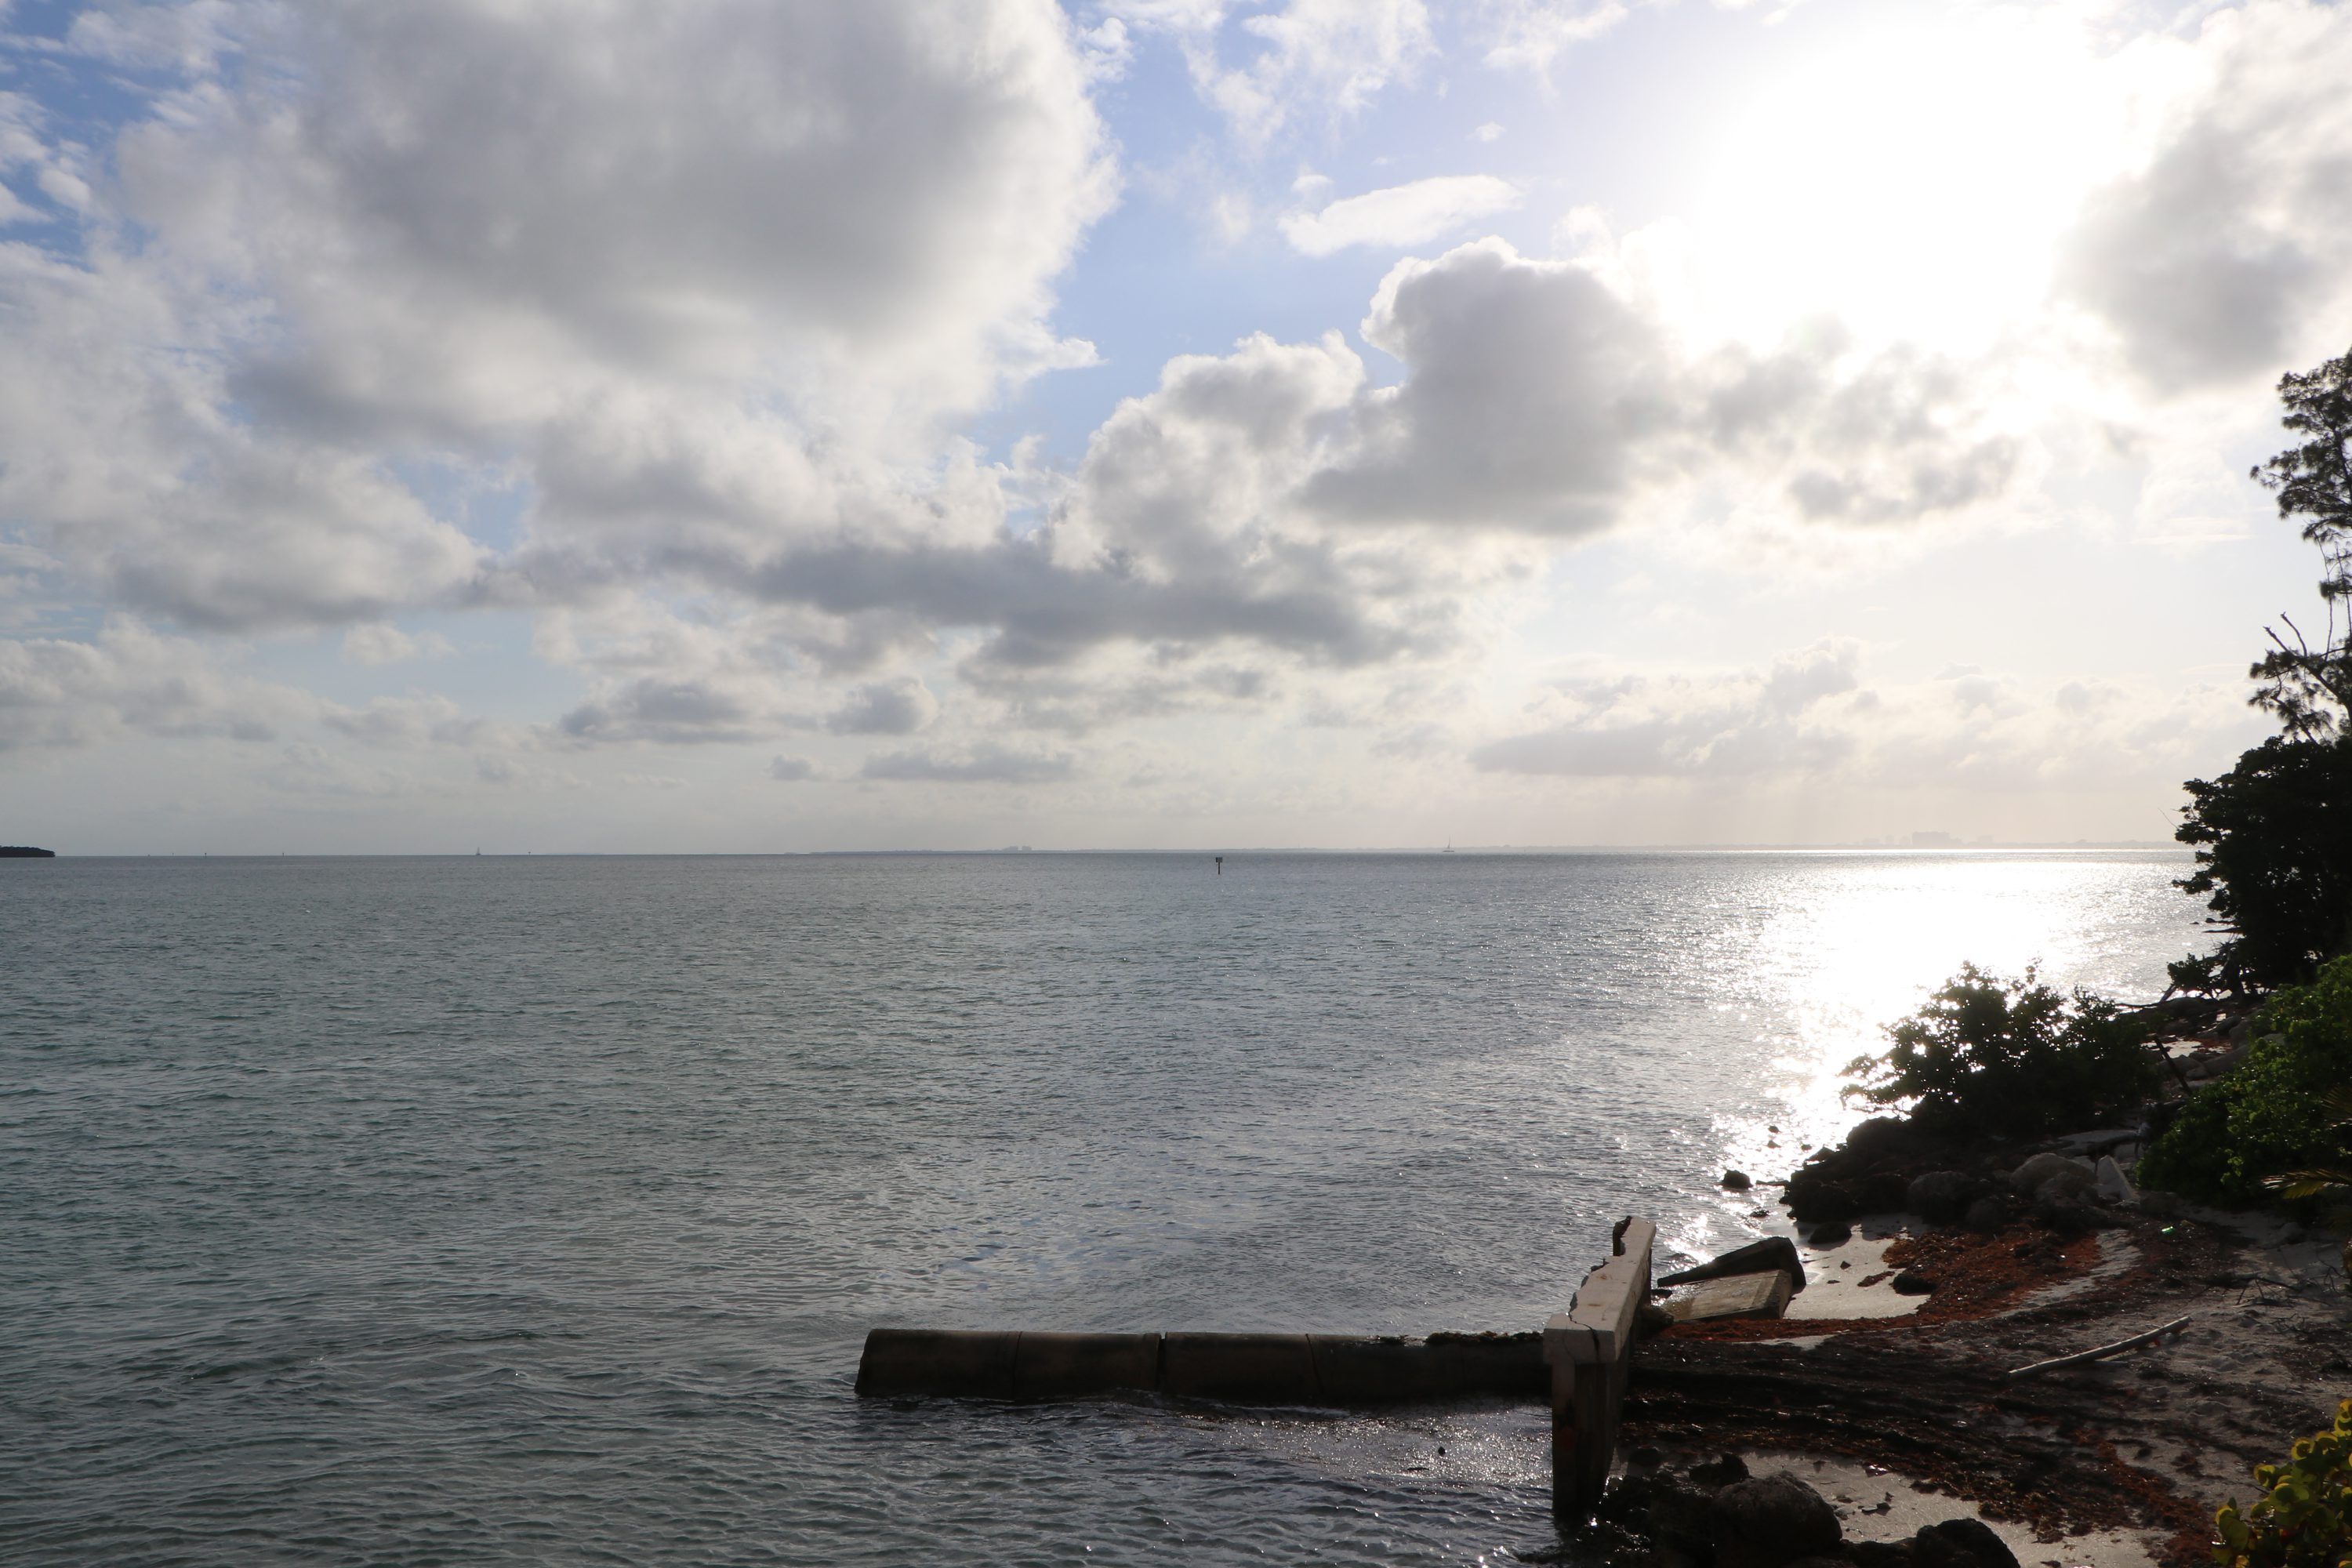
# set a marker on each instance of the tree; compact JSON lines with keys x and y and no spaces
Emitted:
{"x":2011,"y":1058}
{"x":2300,"y":683}
{"x":2273,"y":835}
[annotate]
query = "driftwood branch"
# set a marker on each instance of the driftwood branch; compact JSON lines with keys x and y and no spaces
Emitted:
{"x":2103,"y":1351}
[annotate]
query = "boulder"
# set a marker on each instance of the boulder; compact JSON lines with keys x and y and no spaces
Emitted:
{"x":1880,"y":1553}
{"x":2110,"y":1183}
{"x":2044,"y":1169}
{"x":1815,"y":1197}
{"x":1682,"y":1513}
{"x":1942,"y":1196}
{"x":1880,"y":1138}
{"x":1755,"y":1257}
{"x":1911,"y":1282}
{"x":1961,"y":1544}
{"x":2067,"y":1216}
{"x":1769,"y":1522}
{"x":1886,"y":1193}
{"x":1737,"y":1182}
{"x":1987,"y":1216}
{"x":1719,"y":1472}
{"x":1823,"y":1237}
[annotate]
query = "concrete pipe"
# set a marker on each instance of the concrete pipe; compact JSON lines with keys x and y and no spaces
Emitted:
{"x":937,"y":1361}
{"x":1068,"y":1367}
{"x":1241,"y":1369}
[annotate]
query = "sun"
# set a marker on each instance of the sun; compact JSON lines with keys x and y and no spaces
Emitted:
{"x":1914,"y":178}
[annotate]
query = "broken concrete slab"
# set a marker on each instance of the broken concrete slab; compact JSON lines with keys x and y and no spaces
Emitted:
{"x":1763,"y":1295}
{"x":1772,"y":1252}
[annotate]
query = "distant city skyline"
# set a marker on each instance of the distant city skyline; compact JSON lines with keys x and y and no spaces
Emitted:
{"x":1154,"y":424}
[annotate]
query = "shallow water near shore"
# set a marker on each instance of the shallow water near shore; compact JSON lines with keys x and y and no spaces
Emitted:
{"x":498,"y":1210}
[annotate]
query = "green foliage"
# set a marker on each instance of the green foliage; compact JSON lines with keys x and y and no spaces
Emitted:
{"x":2274,"y":1115}
{"x":2273,"y":839}
{"x":2011,"y":1058}
{"x":2304,"y":1518}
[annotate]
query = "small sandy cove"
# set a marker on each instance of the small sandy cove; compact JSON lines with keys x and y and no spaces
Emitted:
{"x":1900,"y":1409}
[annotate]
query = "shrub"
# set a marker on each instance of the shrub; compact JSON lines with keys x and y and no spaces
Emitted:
{"x":2304,"y":1518}
{"x":2274,"y":1114}
{"x":2011,"y":1058}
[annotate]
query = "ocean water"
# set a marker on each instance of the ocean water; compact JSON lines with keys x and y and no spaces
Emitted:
{"x":533,"y":1210}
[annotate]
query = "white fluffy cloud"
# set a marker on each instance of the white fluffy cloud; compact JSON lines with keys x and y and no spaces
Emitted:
{"x":1541,"y":397}
{"x":2219,"y":255}
{"x":1335,"y":56}
{"x":130,"y":680}
{"x":726,"y":287}
{"x":1401,"y":216}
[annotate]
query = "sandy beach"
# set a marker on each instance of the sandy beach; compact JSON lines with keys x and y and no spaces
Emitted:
{"x":1899,"y":1408}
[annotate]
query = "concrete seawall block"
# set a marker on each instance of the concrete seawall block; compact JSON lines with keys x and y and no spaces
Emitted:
{"x":1063,"y":1366}
{"x":926,"y":1361}
{"x":1247,"y":1369}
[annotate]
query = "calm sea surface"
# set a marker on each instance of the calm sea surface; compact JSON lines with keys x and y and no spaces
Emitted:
{"x":502,"y":1211}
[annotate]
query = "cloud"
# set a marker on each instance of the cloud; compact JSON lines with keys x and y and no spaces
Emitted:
{"x":62,"y":692}
{"x":409,"y":723}
{"x":897,"y":707}
{"x":754,"y":270}
{"x":2220,"y":256}
{"x":1531,"y":34}
{"x":1335,"y":56}
{"x":984,"y":763}
{"x":791,"y":769}
{"x":1401,"y":215}
{"x":1809,"y":716}
{"x":377,"y":643}
{"x":1539,"y":396}
{"x":665,"y":711}
{"x":1636,"y":726}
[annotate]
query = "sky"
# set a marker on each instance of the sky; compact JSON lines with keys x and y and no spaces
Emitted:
{"x":557,"y":426}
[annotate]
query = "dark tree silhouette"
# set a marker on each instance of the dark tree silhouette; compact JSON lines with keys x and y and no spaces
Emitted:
{"x":2273,"y":835}
{"x":2309,"y":688}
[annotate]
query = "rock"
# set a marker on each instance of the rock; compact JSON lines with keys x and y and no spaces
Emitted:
{"x":1911,"y":1282}
{"x":1737,"y":1182}
{"x":1650,"y":1321}
{"x":2110,"y":1183}
{"x":1886,"y":1193}
{"x":1880,"y":1138}
{"x":2163,"y":1206}
{"x":1755,"y":1257}
{"x":1825,"y":1237}
{"x":1771,"y":1520}
{"x":1720,"y":1471}
{"x":1682,"y":1513}
{"x":1810,"y":1194}
{"x":2066,"y":1216}
{"x":1961,"y":1544}
{"x":2042,"y":1169}
{"x":1942,"y":1196}
{"x":1986,"y":1215}
{"x":1880,"y":1553}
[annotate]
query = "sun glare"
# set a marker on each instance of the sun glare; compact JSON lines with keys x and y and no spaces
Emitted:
{"x":1914,"y":181}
